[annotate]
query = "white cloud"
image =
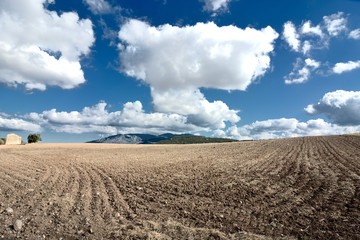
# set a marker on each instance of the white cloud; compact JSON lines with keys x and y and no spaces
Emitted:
{"x":39,"y":48}
{"x":215,"y":5}
{"x":133,"y":116}
{"x":177,"y":61}
{"x":306,"y":47}
{"x":311,"y":34}
{"x":219,"y":133}
{"x":291,"y":36}
{"x":355,"y":34}
{"x":96,"y":114}
{"x":99,"y":6}
{"x":346,"y":67}
{"x":307,"y":37}
{"x":342,"y":107}
{"x":81,"y":129}
{"x":16,"y":124}
{"x":98,"y":119}
{"x":307,"y":29}
{"x":312,"y":63}
{"x":193,"y":104}
{"x":6,"y":115}
{"x":302,"y":74}
{"x":284,"y":128}
{"x":335,"y":23}
{"x":203,"y":55}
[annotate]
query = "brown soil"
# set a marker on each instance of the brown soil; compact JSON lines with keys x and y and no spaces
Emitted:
{"x":307,"y":188}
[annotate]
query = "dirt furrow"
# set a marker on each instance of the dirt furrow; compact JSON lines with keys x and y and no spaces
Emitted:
{"x":283,"y":163}
{"x":94,"y":199}
{"x":101,"y":209}
{"x":20,"y":162}
{"x":349,"y":159}
{"x":115,"y":196}
{"x":342,"y":164}
{"x":84,"y":194}
{"x":324,"y":189}
{"x":7,"y":190}
{"x":352,"y":142}
{"x":14,"y":170}
{"x":12,"y":181}
{"x":260,"y":160}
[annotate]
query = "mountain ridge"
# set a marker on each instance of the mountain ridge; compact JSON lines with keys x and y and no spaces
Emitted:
{"x":135,"y":138}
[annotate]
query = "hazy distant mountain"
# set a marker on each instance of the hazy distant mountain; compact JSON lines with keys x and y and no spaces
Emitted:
{"x":195,"y":139}
{"x":136,"y":138}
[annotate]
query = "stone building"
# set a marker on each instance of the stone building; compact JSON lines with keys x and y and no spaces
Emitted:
{"x":13,"y":139}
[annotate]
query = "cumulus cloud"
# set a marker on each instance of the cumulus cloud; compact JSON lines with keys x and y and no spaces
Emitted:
{"x":15,"y":124}
{"x":306,"y":47}
{"x":193,"y":104}
{"x":346,"y":67}
{"x":335,"y":23}
{"x":284,"y":128}
{"x":133,"y":116}
{"x":291,"y":36}
{"x":99,"y":6}
{"x":177,"y":61}
{"x":203,"y":55}
{"x":97,"y":119}
{"x":355,"y":34}
{"x":307,"y":29}
{"x":39,"y":48}
{"x":342,"y":107}
{"x":311,"y":34}
{"x":306,"y":37}
{"x":89,"y":115}
{"x":215,"y":5}
{"x":302,"y":74}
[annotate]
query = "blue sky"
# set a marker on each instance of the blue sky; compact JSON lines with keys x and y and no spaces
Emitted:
{"x":75,"y":71}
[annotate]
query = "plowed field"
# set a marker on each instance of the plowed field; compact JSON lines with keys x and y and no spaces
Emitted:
{"x":307,"y":188}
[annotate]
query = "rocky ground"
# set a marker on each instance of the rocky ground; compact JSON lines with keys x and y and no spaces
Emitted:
{"x":307,"y":188}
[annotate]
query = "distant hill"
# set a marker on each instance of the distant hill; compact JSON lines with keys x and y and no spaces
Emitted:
{"x":355,"y":134}
{"x":194,"y":139}
{"x":136,"y":138}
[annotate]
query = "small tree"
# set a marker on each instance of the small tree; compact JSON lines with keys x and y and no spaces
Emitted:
{"x":2,"y":141}
{"x":34,"y":138}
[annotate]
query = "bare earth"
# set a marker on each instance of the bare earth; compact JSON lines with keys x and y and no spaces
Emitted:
{"x":307,"y":188}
